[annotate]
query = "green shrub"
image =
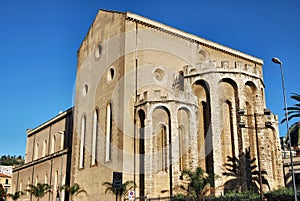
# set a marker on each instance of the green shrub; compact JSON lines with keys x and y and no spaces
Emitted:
{"x":286,"y":194}
{"x":181,"y":197}
{"x":245,"y":196}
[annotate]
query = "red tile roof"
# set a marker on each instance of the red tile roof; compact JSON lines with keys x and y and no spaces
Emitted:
{"x":4,"y":175}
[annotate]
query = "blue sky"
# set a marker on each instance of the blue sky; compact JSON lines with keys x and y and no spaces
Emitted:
{"x":39,"y":40}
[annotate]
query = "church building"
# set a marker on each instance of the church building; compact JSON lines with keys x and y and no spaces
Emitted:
{"x":152,"y":100}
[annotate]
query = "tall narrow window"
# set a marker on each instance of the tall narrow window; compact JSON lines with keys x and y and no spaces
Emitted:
{"x":36,"y":180}
{"x":28,"y":182}
{"x":82,"y":142}
{"x":95,"y":138}
{"x":53,"y":144}
{"x":62,"y":138}
{"x":46,"y":179}
{"x":181,"y":148}
{"x":21,"y":185}
{"x":108,"y":133}
{"x":36,"y":151}
{"x":56,"y":180}
{"x":162,"y":143}
{"x":45,"y":147}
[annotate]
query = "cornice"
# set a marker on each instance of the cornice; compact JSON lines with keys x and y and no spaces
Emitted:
{"x":191,"y":37}
{"x":41,"y":160}
{"x":51,"y":121}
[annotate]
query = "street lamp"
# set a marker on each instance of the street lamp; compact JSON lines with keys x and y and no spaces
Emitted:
{"x":277,"y":61}
{"x":267,"y":125}
{"x":58,"y":195}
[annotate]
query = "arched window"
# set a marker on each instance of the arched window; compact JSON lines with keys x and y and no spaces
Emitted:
{"x":62,"y":138}
{"x":82,"y":142}
{"x":21,"y":185}
{"x":28,"y":182}
{"x":108,"y":133}
{"x":46,"y":179}
{"x":162,"y":143}
{"x":95,"y":138}
{"x":36,"y":150}
{"x":45,"y":147}
{"x":56,"y":180}
{"x":181,"y":140}
{"x":227,"y":135}
{"x":36,"y":180}
{"x":53,"y":144}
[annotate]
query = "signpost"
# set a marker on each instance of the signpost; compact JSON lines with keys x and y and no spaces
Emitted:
{"x":117,"y":182}
{"x":131,"y":195}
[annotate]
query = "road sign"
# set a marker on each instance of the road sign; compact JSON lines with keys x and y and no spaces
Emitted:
{"x":131,"y":195}
{"x":117,"y":180}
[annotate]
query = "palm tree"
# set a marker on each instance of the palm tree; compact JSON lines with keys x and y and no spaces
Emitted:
{"x":293,"y":111}
{"x":294,"y":130}
{"x":199,"y":182}
{"x":126,"y":187}
{"x":39,"y":190}
{"x":74,"y":190}
{"x":16,"y":195}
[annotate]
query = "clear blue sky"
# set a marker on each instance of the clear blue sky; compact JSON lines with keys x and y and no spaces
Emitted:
{"x":39,"y":40}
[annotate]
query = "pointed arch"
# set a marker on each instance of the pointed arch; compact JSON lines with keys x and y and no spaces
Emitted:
{"x":161,"y":122}
{"x":250,"y":95}
{"x":229,"y":100}
{"x":141,"y":151}
{"x":183,"y":119}
{"x":37,"y":146}
{"x":204,"y":136}
{"x":53,"y":144}
{"x":45,"y":147}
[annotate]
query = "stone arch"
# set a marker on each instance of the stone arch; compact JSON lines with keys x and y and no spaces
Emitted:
{"x":250,"y":92}
{"x":141,"y":150}
{"x":229,"y":102}
{"x":249,"y":134}
{"x":162,"y":147}
{"x":204,"y":136}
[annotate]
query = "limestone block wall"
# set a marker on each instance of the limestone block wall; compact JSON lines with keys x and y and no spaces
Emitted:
{"x":165,"y":100}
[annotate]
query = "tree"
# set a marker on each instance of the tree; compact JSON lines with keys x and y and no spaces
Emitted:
{"x":16,"y":195}
{"x":126,"y":187}
{"x":39,"y":190}
{"x":74,"y":190}
{"x":294,"y":130}
{"x":199,"y":183}
{"x":293,"y":111}
{"x":2,"y":193}
{"x":11,"y":160}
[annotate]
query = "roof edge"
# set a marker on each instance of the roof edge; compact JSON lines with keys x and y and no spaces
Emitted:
{"x":192,"y":37}
{"x":59,"y":116}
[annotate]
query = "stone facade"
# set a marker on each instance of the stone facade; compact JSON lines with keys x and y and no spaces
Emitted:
{"x":152,"y":100}
{"x":47,"y":158}
{"x":5,"y":182}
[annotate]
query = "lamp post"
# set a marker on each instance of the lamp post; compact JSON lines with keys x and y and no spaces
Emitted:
{"x":58,"y":195}
{"x":267,"y":124}
{"x":277,"y":61}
